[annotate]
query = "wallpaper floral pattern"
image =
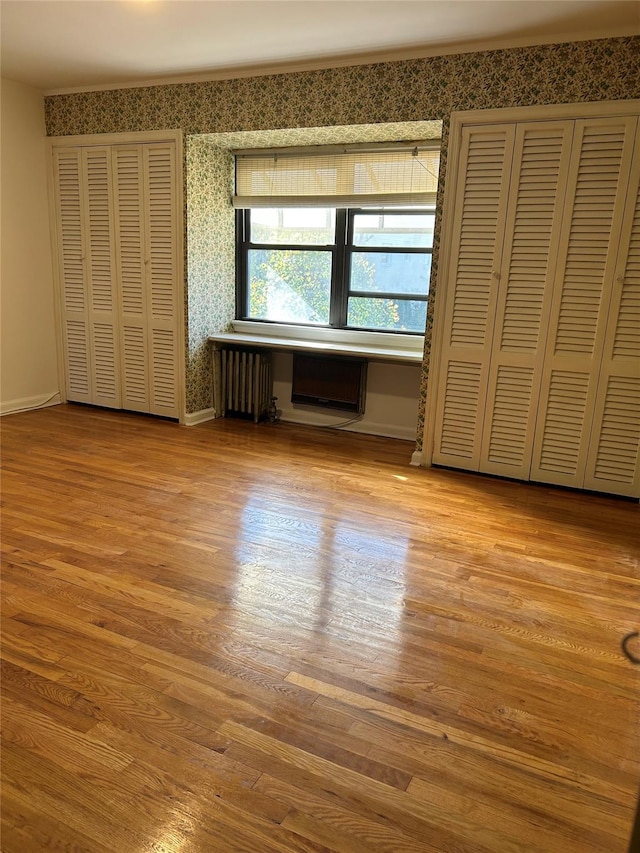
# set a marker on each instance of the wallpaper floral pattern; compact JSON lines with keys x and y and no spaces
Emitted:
{"x":410,"y":90}
{"x":210,"y":227}
{"x":405,"y":91}
{"x":210,"y":261}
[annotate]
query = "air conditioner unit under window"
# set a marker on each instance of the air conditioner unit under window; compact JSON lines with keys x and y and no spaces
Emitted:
{"x":333,"y":382}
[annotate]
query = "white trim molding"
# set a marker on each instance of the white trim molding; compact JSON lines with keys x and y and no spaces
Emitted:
{"x":417,"y":460}
{"x":342,"y":60}
{"x":27,"y":404}
{"x":334,"y":421}
{"x":578,"y":110}
{"x":131,"y":137}
{"x":382,"y":346}
{"x":195,"y":418}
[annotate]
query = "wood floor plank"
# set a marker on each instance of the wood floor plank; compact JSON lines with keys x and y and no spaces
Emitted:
{"x":71,"y":802}
{"x":340,"y":827}
{"x":462,"y":769}
{"x":47,"y":696}
{"x":544,"y":767}
{"x":43,"y":736}
{"x":391,"y":805}
{"x":26,"y":827}
{"x":234,"y":638}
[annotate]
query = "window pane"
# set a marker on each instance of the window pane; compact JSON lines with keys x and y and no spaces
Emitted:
{"x":390,"y":272}
{"x":394,"y":229}
{"x":401,"y":315}
{"x":304,"y":226}
{"x":289,"y":286}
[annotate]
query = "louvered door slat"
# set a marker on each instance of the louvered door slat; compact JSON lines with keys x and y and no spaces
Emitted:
{"x":160,"y":168}
{"x":507,"y":426}
{"x":597,"y":188}
{"x":162,"y":329}
{"x":67,"y":170}
{"x":616,"y":457}
{"x":613,"y":462}
{"x":77,"y":361}
{"x":565,"y":413}
{"x":163,"y":388}
{"x":129,"y":224}
{"x":70,"y":200}
{"x":105,"y":362}
{"x":130,"y":260}
{"x":477,"y":225}
{"x":103,"y":317}
{"x":460,"y":408}
{"x":531,"y":241}
{"x":135,"y":383}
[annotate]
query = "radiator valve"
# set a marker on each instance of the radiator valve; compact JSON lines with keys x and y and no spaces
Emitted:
{"x":273,"y":415}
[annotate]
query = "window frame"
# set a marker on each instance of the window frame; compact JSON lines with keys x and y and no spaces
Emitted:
{"x":341,"y":251}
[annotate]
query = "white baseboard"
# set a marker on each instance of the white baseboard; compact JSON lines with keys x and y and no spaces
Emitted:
{"x":199,"y":417}
{"x":25,"y":404}
{"x":322,"y":419}
{"x":417,"y":459}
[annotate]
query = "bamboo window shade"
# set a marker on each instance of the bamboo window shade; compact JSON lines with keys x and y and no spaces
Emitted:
{"x":403,"y":176}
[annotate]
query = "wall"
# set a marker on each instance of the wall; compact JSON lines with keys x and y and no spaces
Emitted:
{"x":411,"y":90}
{"x":29,"y":376}
{"x":392,"y":400}
{"x":391,"y":407}
{"x":211,"y":270}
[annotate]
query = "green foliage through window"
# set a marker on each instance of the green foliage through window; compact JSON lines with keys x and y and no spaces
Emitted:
{"x":304,"y":266}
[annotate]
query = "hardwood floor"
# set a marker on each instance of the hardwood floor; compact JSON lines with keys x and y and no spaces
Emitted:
{"x":259,"y":639}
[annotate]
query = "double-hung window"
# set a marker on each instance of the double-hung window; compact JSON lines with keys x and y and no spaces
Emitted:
{"x":359,"y":258}
{"x":361,"y":268}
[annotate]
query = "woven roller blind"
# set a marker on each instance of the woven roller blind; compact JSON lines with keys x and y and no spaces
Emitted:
{"x":347,"y":179}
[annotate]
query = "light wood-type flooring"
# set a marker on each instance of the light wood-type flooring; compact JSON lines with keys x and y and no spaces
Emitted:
{"x":247,"y":639}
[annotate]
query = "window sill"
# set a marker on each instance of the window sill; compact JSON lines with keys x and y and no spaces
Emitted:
{"x":379,"y":346}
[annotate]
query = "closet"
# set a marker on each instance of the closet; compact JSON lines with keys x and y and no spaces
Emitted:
{"x":116,"y":229}
{"x":539,"y":327}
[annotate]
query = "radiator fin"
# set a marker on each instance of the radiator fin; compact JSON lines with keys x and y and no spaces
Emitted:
{"x":245,"y":382}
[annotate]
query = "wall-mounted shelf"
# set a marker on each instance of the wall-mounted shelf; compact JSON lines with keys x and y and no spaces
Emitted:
{"x":271,"y":342}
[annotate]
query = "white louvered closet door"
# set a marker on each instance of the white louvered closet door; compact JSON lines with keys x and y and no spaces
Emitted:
{"x":70,"y":203}
{"x":597,"y":188}
{"x":613,"y":462}
{"x":476,"y":255}
{"x":161,"y":272}
{"x":130,"y":257}
{"x":538,"y":183}
{"x":101,"y":281}
{"x":82,"y":183}
{"x":146,"y":226}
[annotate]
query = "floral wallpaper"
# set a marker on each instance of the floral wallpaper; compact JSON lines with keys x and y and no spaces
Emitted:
{"x":210,"y":297}
{"x":409,"y":90}
{"x":377,"y":94}
{"x":211,"y":226}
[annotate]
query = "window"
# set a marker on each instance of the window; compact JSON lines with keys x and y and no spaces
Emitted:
{"x":337,"y":236}
{"x":357,"y":268}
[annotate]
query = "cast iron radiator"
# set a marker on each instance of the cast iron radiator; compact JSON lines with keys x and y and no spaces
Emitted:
{"x":245,"y":382}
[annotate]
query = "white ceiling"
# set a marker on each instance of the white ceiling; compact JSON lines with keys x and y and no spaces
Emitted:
{"x":63,"y":44}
